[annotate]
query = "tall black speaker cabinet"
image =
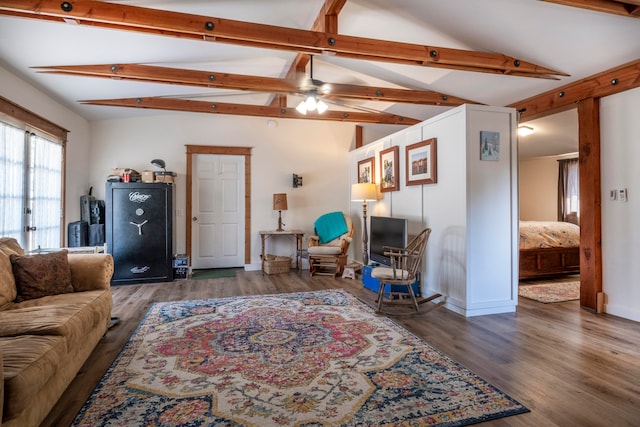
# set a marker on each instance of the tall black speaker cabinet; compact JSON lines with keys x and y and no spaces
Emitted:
{"x":139,"y":231}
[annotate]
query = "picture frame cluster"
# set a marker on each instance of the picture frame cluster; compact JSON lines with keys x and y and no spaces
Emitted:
{"x":420,"y":166}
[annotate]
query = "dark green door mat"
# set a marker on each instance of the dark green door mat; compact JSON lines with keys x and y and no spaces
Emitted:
{"x":213,"y":273}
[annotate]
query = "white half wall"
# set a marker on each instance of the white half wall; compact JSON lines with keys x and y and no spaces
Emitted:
{"x":472,"y":209}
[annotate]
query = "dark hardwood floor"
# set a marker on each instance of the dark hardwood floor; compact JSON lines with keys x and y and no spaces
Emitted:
{"x":569,"y":366}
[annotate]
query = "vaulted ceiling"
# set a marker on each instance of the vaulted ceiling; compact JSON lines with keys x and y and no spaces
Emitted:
{"x":373,"y":61}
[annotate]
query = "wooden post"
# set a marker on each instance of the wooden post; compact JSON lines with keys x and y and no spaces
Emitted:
{"x":358,"y":136}
{"x":590,"y":202}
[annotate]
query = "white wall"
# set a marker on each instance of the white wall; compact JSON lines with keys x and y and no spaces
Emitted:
{"x":472,"y":251}
{"x":313,"y":149}
{"x":538,"y":182}
{"x":78,"y":162}
{"x":620,"y":128}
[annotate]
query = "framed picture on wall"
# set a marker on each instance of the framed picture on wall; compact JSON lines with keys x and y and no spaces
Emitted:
{"x":366,"y":170}
{"x":389,"y":169}
{"x":489,"y":145}
{"x":421,"y":161}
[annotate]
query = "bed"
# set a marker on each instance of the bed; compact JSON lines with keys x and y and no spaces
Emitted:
{"x":548,"y":248}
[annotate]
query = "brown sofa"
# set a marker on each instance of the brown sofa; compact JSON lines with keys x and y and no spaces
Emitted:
{"x":44,"y":341}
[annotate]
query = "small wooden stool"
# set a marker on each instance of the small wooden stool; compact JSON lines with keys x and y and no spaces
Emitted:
{"x":350,"y":270}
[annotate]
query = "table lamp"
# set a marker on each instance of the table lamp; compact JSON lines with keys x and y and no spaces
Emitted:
{"x":365,"y":192}
{"x":280,"y":204}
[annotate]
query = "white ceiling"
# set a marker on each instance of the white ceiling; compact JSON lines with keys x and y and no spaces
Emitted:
{"x":570,"y":40}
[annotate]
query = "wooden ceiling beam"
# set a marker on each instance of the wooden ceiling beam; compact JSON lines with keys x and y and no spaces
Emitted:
{"x":172,"y":104}
{"x":168,"y":23}
{"x":615,"y":80}
{"x":629,"y":8}
{"x":327,"y":20}
{"x":185,"y":77}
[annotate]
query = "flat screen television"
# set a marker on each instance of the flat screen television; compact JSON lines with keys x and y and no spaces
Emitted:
{"x":386,"y":231}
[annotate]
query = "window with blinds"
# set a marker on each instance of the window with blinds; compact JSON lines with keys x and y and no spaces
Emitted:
{"x":30,"y":187}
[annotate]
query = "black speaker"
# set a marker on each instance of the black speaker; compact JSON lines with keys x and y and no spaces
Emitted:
{"x":78,"y":234}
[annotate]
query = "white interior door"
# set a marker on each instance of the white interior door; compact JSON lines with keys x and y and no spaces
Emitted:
{"x":218,"y":211}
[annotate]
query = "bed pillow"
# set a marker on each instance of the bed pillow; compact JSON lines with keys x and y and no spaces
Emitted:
{"x":41,"y":275}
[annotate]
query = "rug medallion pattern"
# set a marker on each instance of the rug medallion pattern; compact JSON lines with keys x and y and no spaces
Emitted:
{"x":303,"y":359}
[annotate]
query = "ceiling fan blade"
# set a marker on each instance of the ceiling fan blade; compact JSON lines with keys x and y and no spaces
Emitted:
{"x":352,"y":106}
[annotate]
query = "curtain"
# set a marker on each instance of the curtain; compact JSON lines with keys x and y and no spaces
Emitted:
{"x":12,"y":163}
{"x":30,"y":188}
{"x":568,"y":191}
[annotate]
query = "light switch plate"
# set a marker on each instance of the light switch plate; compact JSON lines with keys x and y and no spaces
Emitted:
{"x":622,"y":194}
{"x":613,"y":195}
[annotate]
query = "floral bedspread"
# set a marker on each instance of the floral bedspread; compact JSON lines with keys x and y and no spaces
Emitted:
{"x":548,"y":234}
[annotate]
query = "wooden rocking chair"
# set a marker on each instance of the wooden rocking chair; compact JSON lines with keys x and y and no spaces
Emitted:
{"x":404,"y":271}
{"x":329,"y":258}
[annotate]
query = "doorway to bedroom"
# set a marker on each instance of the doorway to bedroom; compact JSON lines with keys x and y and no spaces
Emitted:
{"x":549,"y":189}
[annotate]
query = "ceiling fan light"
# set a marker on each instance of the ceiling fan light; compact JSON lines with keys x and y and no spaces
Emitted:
{"x":322,"y":107}
{"x":302,"y":108}
{"x":311,"y":103}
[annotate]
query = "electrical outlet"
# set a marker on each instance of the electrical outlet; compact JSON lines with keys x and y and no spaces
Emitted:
{"x":613,"y":195}
{"x":622,"y":194}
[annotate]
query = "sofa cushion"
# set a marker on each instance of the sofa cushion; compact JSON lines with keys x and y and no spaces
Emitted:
{"x":29,"y":362}
{"x":41,"y":275}
{"x":69,"y":315}
{"x":8,"y":292}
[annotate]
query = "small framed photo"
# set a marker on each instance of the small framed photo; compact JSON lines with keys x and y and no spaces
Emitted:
{"x":366,"y":170}
{"x":489,"y":145}
{"x":389,"y":169}
{"x":421,"y":161}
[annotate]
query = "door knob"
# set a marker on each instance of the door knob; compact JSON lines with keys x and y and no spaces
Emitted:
{"x":195,"y":218}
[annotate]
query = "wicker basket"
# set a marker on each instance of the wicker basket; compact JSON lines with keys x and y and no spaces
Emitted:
{"x":277,"y":264}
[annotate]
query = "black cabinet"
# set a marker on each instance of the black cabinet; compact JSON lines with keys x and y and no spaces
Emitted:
{"x":139,"y":231}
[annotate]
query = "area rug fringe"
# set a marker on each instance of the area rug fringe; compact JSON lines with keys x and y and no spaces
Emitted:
{"x":300,"y":359}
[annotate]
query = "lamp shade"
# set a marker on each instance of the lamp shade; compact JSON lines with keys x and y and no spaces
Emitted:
{"x":280,"y":202}
{"x":159,"y":163}
{"x":364,"y":192}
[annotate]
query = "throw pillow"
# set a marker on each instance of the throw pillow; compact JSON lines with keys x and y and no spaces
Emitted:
{"x":41,"y":275}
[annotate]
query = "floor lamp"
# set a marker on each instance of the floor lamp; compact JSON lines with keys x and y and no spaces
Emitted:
{"x":364,"y":192}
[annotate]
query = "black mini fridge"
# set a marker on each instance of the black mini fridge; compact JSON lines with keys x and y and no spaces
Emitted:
{"x":139,"y":231}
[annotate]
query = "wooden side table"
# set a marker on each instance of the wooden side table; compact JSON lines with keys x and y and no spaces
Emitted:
{"x":297,"y":234}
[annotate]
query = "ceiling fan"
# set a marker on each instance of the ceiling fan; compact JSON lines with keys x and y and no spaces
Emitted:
{"x":311,"y":88}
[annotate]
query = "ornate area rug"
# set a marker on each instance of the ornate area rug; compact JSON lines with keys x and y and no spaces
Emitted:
{"x":301,"y":359}
{"x":551,"y":292}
